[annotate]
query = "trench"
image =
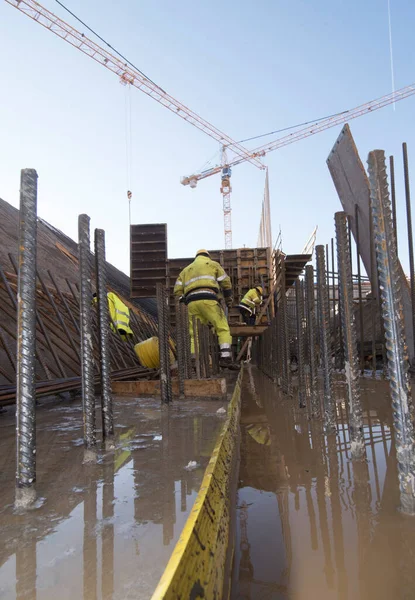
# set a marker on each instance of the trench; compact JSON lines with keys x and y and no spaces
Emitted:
{"x":310,"y":522}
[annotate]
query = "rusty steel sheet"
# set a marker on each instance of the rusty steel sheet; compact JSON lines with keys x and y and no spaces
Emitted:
{"x":352,"y":185}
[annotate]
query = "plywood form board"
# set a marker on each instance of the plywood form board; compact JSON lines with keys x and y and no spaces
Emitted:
{"x":352,"y":186}
{"x":148,"y":258}
{"x":245,"y":267}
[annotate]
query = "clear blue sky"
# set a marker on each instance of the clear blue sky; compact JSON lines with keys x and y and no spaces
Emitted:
{"x":246,"y":67}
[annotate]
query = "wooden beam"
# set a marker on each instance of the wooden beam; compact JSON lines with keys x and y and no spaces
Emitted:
{"x":247,"y":330}
{"x":193,"y":388}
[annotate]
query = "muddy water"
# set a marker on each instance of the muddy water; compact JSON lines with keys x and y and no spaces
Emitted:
{"x":102,"y":531}
{"x":311,"y":523}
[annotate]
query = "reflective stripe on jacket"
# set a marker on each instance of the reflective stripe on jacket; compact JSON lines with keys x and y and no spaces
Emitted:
{"x":252,"y":300}
{"x":119,"y":313}
{"x":205,"y":274}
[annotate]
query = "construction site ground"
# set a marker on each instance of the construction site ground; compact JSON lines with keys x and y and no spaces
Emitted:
{"x":311,"y":523}
{"x":103,"y":530}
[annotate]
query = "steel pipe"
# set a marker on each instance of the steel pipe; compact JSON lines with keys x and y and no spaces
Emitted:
{"x":26,"y":343}
{"x":392,"y":315}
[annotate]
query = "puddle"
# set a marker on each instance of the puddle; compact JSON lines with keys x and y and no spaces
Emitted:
{"x":106,"y":530}
{"x":312,"y":524}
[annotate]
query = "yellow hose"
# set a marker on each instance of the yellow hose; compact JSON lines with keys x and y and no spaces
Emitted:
{"x":148,"y":354}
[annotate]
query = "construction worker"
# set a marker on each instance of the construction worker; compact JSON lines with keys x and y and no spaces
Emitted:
{"x":250,"y":303}
{"x":198,"y":285}
{"x":119,"y":315}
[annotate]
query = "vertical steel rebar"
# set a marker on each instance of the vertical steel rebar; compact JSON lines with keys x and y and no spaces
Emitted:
{"x":312,"y":331}
{"x":357,"y":442}
{"x":181,"y":353}
{"x":87,"y":355}
{"x":287,"y":384}
{"x":104,"y":329}
{"x":26,"y":343}
{"x":299,"y":298}
{"x":392,"y":314}
{"x":201,"y":349}
{"x":329,"y":407}
{"x":359,"y":283}
{"x":207,"y":350}
{"x":186,"y":338}
{"x":410,"y":236}
{"x":393,"y":195}
{"x":164,"y":343}
{"x":335,"y":353}
{"x":374,"y":301}
{"x":196,"y":345}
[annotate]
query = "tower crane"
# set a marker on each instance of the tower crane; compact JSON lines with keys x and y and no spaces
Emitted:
{"x":129,"y":75}
{"x":226,"y":166}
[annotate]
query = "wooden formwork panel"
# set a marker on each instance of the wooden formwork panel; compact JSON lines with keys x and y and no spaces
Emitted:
{"x":148,"y":258}
{"x":246,"y":268}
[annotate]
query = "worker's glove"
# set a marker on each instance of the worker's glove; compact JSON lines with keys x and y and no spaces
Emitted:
{"x":181,"y":299}
{"x":229,"y":301}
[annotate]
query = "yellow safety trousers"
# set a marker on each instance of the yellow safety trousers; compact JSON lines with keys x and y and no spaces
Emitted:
{"x":209,"y":312}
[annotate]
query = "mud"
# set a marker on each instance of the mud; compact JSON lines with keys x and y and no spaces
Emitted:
{"x":106,"y":530}
{"x":311,"y":523}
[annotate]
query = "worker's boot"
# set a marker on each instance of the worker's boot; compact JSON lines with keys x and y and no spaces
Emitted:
{"x":227,"y":363}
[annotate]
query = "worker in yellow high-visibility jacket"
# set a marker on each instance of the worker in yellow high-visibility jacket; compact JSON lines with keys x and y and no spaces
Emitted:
{"x":249,"y":305}
{"x":198,"y":285}
{"x":119,"y":315}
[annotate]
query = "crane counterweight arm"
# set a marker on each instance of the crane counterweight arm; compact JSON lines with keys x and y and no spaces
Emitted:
{"x":127,"y":74}
{"x":310,"y":130}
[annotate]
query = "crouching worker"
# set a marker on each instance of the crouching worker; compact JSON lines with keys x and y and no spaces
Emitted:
{"x":199,"y":284}
{"x":119,"y":315}
{"x":250,"y":304}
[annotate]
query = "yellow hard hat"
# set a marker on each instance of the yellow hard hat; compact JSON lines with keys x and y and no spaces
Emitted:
{"x":202,"y":251}
{"x":260,"y":290}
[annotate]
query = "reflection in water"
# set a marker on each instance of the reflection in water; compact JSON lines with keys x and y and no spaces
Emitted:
{"x":311,"y":522}
{"x":106,"y":530}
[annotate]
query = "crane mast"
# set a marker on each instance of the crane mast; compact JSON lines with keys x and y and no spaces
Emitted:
{"x":298,"y":135}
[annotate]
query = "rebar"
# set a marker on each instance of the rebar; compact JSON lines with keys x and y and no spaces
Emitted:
{"x":59,"y":317}
{"x":357,"y":442}
{"x":207,"y":350}
{"x":299,"y":300}
{"x":312,"y":341}
{"x":187,"y":341}
{"x":202,"y":349}
{"x":87,"y":355}
{"x":329,"y":407}
{"x":392,"y":314}
{"x":410,"y":239}
{"x":196,"y":346}
{"x":180,"y":345}
{"x":104,"y":329}
{"x":164,"y":343}
{"x":287,"y":385}
{"x":333,"y":288}
{"x":359,"y":283}
{"x":393,"y":195}
{"x":373,"y":302}
{"x":26,"y":342}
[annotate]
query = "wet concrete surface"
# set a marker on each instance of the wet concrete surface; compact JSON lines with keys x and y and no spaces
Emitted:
{"x":106,"y":530}
{"x":311,"y":523}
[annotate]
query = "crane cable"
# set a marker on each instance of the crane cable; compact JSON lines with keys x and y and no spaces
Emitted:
{"x":128,"y":145}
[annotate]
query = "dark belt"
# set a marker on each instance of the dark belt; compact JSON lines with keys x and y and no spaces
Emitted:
{"x":201,"y":294}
